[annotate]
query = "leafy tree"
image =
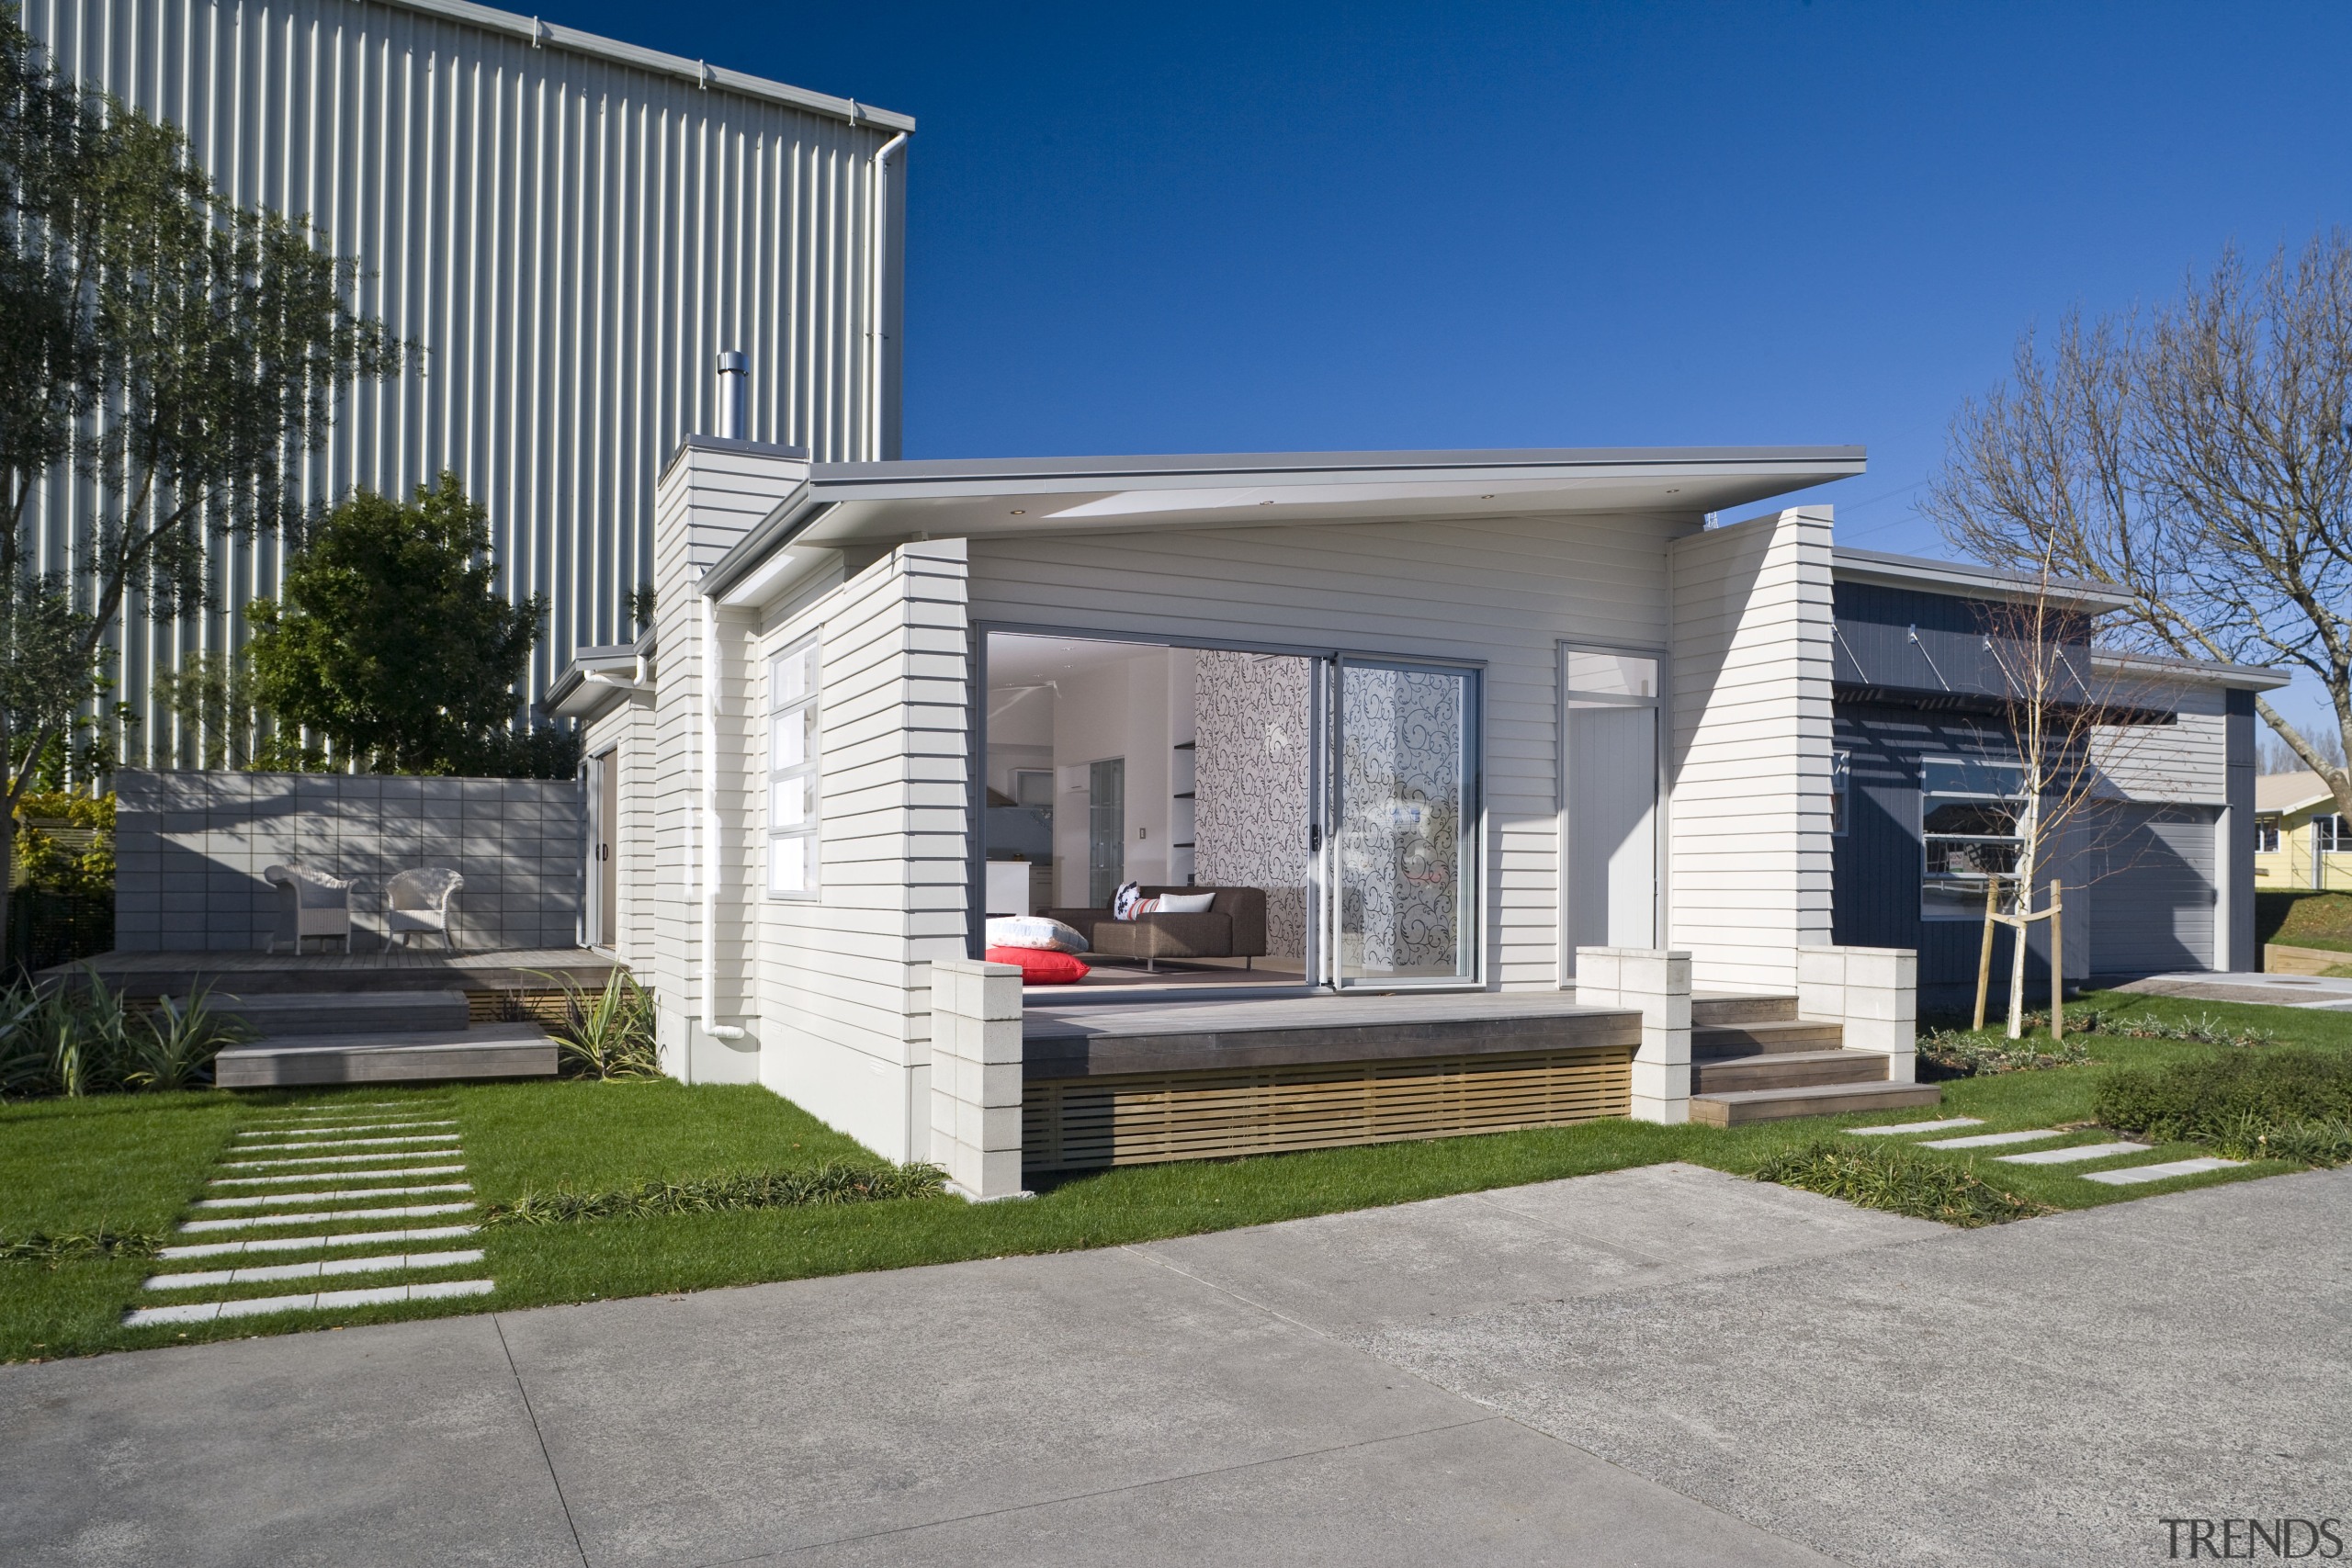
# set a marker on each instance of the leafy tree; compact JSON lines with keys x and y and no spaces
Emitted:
{"x":180,"y":354}
{"x":391,"y":642}
{"x":2199,"y":459}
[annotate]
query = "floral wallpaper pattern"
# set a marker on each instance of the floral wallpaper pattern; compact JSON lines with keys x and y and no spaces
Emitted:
{"x":1252,"y":731}
{"x":1400,"y":819}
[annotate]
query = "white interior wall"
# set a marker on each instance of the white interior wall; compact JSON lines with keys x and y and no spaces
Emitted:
{"x":1504,"y":590}
{"x":1118,"y":708}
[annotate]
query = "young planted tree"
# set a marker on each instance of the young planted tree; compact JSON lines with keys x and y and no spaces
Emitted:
{"x":391,"y":643}
{"x":2198,"y":460}
{"x":181,"y":356}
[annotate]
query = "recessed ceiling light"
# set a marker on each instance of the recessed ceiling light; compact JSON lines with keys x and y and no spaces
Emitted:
{"x":1018,"y":513}
{"x":1265,"y":503}
{"x":1486,"y":497}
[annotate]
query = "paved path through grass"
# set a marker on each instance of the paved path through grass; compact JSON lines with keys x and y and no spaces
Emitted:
{"x":1664,"y":1365}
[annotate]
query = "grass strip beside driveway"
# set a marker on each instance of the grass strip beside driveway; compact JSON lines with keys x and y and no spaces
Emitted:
{"x":133,"y":1163}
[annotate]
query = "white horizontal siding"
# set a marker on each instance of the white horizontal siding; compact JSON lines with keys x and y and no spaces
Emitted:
{"x":1749,"y":766}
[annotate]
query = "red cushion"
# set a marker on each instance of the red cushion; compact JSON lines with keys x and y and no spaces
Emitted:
{"x":1040,"y":965}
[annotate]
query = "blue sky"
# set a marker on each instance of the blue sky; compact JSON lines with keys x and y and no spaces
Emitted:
{"x":1236,"y":228}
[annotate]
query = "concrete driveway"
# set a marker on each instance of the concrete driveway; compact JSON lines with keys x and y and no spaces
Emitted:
{"x":1662,"y":1366}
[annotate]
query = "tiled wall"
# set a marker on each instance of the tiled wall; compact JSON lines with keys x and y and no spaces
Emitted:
{"x":190,"y":848}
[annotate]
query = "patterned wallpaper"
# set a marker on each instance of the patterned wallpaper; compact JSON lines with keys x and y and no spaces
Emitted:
{"x":1400,"y":818}
{"x":1251,"y":734}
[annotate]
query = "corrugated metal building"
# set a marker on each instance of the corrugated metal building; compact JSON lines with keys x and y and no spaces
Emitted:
{"x":568,"y":228}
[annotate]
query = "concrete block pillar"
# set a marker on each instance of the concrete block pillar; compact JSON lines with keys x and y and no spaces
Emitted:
{"x":1874,"y":992}
{"x":976,"y":1076}
{"x":1657,"y":983}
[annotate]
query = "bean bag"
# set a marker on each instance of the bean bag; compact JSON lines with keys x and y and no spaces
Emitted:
{"x":1041,"y":965}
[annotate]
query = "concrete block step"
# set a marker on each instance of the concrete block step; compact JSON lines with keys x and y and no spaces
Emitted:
{"x":1724,"y":1008}
{"x":1739,"y":1106}
{"x":1787,"y":1069}
{"x":1755,"y":1039}
{"x":285,"y":1013}
{"x":493,"y":1051}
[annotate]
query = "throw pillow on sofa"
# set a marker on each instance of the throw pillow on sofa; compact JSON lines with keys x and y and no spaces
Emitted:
{"x":1185,"y":903}
{"x":1128,"y":902}
{"x":1035,"y":930}
{"x":1041,"y":965}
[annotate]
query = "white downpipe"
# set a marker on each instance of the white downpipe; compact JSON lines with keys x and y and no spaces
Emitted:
{"x":707,"y":721}
{"x":881,"y":233}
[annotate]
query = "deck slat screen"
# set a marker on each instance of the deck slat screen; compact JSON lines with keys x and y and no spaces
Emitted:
{"x":1136,"y":1118}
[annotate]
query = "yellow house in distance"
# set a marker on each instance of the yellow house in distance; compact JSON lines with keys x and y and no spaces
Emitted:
{"x":2300,"y":841}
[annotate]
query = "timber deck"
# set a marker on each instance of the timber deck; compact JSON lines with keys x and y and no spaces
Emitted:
{"x":145,"y":976}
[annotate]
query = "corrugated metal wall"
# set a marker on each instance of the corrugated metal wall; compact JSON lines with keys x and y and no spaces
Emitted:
{"x":568,"y":228}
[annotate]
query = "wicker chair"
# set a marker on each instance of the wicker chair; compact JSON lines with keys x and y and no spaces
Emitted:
{"x":420,"y":901}
{"x":310,"y":903}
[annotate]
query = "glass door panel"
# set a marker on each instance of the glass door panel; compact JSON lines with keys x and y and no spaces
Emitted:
{"x":1402,"y":890}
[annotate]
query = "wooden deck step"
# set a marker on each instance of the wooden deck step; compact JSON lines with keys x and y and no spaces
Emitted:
{"x":1719,"y":1008}
{"x":490,"y":1051}
{"x":1787,"y":1069}
{"x":306,"y":1013}
{"x":1713,"y":1042}
{"x":1740,"y":1107}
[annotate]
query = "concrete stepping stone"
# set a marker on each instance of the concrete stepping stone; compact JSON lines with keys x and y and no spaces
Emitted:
{"x":2132,"y":1174}
{"x":336,"y":1159}
{"x":330,"y":1216}
{"x":317,"y":1268}
{"x":308,"y":1128}
{"x":324,"y":1301}
{"x":326,"y":1174}
{"x":1947,"y":1122}
{"x":306,"y":1243}
{"x":350,"y":1142}
{"x":1989,"y":1140}
{"x":345,"y":1195}
{"x":2075,"y":1155}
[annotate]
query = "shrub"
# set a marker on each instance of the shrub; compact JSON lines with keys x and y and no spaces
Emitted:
{"x":53,"y":1250}
{"x":76,"y":1040}
{"x":2224,"y":1094}
{"x":830,"y":1183}
{"x":608,"y":1034}
{"x":1899,"y":1181}
{"x":1958,"y":1054}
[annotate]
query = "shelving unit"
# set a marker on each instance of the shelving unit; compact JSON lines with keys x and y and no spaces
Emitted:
{"x":1182,"y":824}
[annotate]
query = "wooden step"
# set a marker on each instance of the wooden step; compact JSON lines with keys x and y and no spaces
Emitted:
{"x":1741,"y":1107}
{"x":1726,"y":1008}
{"x":1722,"y":1039}
{"x":1787,"y":1069}
{"x":491,"y":1051}
{"x":307,"y":1013}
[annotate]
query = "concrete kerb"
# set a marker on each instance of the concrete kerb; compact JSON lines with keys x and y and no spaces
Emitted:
{"x":1657,"y":982}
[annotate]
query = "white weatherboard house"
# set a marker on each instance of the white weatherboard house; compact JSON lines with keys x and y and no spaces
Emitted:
{"x":1355,"y":693}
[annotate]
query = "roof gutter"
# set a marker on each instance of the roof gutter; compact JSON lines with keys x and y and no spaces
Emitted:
{"x":792,"y":516}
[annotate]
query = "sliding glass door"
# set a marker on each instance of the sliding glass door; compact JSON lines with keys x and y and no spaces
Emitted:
{"x":1609,"y":709}
{"x":1401,"y":792}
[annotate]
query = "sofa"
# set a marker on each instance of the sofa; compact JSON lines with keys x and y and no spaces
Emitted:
{"x":1234,"y":925}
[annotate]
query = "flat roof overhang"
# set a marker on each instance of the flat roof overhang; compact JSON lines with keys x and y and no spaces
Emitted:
{"x":846,"y":503}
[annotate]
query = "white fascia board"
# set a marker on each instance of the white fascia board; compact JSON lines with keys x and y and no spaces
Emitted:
{"x":546,"y":34}
{"x":1965,"y":579}
{"x":2189,"y":671}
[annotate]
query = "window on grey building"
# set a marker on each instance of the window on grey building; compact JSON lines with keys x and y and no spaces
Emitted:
{"x":793,"y":758}
{"x":1969,"y":813}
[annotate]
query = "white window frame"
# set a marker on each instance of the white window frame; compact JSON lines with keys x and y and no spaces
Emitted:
{"x":796,"y":842}
{"x":2266,"y":838}
{"x":1972,"y":907}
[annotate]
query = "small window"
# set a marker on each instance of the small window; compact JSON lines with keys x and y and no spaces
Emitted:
{"x":2327,"y":834}
{"x":2266,"y":838}
{"x":1969,"y":814}
{"x":793,"y":765}
{"x":1841,"y":781}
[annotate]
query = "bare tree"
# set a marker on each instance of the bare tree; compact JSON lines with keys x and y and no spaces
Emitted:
{"x":2199,"y":459}
{"x":2076,"y":721}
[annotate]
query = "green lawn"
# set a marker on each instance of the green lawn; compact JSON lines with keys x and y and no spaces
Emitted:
{"x":132,"y":1162}
{"x":2322,"y":920}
